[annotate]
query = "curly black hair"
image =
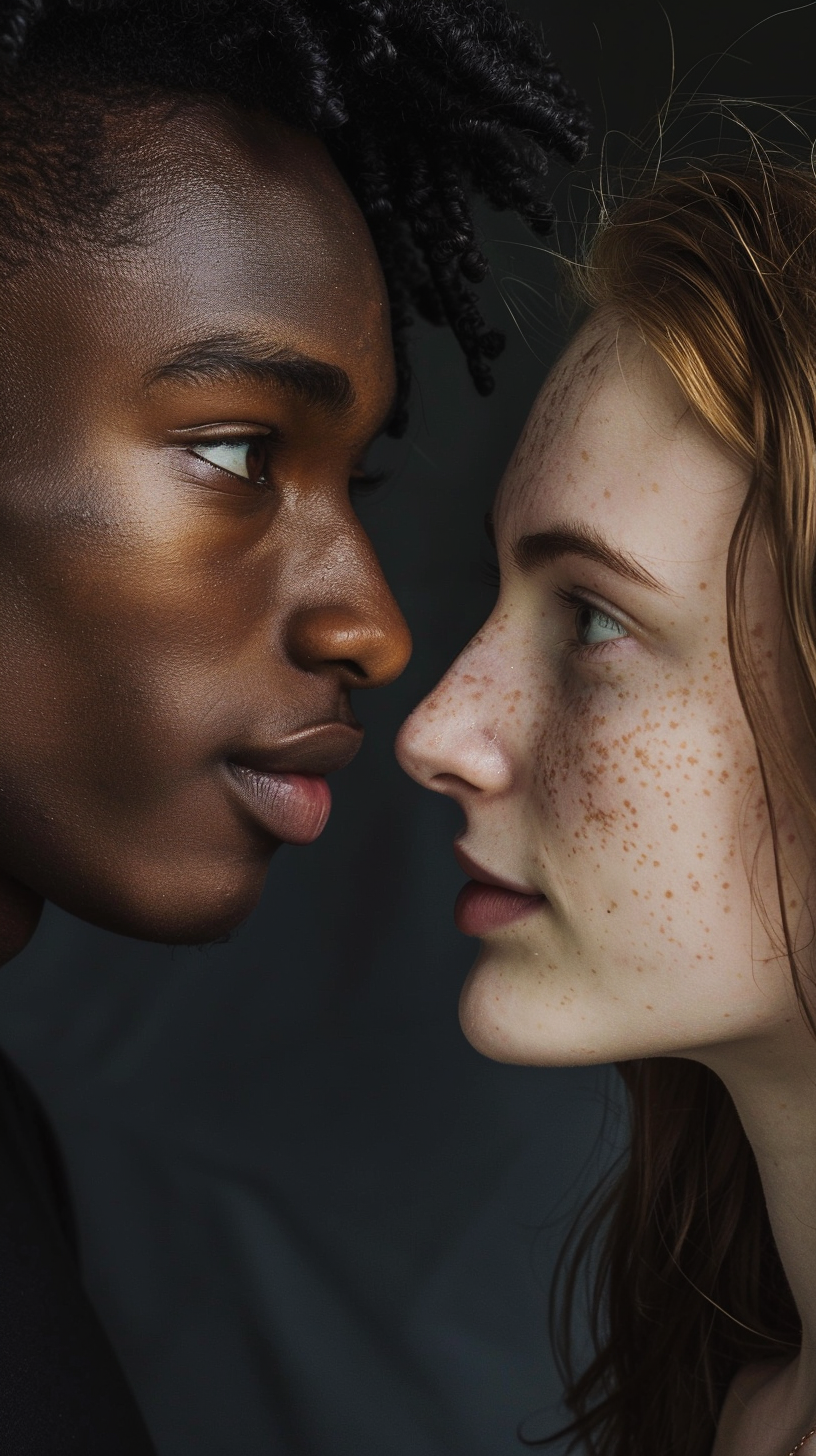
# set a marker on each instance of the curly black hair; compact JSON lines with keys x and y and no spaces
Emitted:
{"x":420,"y":103}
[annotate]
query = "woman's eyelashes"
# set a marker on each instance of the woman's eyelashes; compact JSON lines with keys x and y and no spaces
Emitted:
{"x":594,"y":626}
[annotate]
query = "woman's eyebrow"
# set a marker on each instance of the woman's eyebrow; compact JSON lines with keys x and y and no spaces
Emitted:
{"x":227,"y":358}
{"x":541,"y":548}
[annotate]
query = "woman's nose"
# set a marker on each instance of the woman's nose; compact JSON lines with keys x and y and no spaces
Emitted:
{"x":451,"y":742}
{"x":357,"y":629}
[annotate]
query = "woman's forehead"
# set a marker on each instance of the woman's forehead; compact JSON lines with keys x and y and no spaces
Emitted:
{"x":612,"y":444}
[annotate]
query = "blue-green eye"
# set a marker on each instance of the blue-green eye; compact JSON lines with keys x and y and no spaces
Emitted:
{"x":593,"y":626}
{"x":244,"y":458}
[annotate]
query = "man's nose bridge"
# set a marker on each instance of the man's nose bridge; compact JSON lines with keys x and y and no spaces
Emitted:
{"x":346,"y":609}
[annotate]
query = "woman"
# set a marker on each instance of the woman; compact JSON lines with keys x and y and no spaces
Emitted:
{"x":630,"y":737}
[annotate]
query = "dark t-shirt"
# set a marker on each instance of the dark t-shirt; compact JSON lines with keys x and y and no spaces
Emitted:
{"x":61,"y":1387}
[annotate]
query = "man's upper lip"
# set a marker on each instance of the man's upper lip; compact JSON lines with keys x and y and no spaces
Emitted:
{"x":487,"y":877}
{"x":319,"y":748}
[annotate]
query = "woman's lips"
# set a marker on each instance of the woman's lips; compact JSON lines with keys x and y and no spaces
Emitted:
{"x":481,"y":908}
{"x":294,"y":807}
{"x":487,"y":902}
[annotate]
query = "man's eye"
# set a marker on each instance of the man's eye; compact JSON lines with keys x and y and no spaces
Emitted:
{"x":593,"y":626}
{"x":244,"y":458}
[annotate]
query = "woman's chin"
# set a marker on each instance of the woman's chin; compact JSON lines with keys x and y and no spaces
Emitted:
{"x":504,"y":1017}
{"x":490,"y":1015}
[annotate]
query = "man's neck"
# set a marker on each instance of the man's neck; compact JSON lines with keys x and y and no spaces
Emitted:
{"x":20,"y":910}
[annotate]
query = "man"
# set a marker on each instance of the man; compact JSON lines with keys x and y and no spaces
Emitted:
{"x":216,"y":221}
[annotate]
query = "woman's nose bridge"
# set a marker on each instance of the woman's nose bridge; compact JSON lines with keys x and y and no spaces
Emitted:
{"x":456,"y":731}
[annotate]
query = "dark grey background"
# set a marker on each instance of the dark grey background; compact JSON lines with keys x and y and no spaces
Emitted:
{"x":314,"y":1220}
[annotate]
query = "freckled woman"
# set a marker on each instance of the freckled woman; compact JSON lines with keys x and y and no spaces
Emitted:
{"x":631,"y":739}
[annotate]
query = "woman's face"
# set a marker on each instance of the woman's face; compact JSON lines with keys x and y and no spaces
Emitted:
{"x":593,"y":735}
{"x":187,"y":597}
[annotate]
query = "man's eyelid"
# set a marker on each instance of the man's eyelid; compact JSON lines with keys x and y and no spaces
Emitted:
{"x":227,"y":430}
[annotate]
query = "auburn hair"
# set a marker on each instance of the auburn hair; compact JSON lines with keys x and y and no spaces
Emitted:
{"x":716,"y":269}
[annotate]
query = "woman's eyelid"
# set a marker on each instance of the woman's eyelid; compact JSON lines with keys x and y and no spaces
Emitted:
{"x":582,"y":596}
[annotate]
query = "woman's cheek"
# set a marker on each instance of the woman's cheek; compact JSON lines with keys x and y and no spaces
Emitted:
{"x":634,"y":787}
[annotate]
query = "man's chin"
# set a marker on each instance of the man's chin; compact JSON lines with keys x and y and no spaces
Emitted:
{"x":182,"y":913}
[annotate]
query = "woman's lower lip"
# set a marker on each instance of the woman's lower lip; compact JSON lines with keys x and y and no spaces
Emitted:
{"x":481,"y":908}
{"x":291,"y":806}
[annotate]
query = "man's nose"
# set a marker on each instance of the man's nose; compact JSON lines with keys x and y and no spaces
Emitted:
{"x":356,"y":629}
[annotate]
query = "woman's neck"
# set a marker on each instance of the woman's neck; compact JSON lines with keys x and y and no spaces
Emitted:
{"x":774,"y":1089}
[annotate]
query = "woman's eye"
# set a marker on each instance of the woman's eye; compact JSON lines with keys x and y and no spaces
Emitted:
{"x":593,"y":626}
{"x":244,"y":458}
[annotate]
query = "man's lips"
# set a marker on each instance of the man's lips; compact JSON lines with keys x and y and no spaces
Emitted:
{"x":488,"y":902}
{"x":283,"y":787}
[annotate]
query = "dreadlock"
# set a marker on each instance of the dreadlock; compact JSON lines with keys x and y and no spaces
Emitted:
{"x":420,"y":103}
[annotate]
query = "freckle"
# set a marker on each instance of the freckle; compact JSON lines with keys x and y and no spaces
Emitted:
{"x":655,"y":487}
{"x":703,"y":585}
{"x":607,"y":495}
{"x":584,"y":454}
{"x":669,"y":895}
{"x":673,"y":828}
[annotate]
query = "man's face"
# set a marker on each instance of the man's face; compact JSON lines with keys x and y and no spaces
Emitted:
{"x":186,"y":594}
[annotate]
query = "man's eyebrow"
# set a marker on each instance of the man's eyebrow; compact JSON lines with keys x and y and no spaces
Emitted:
{"x":227,"y":358}
{"x":541,"y":548}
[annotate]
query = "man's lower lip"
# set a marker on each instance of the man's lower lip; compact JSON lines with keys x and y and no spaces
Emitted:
{"x":293,"y":807}
{"x":481,"y":908}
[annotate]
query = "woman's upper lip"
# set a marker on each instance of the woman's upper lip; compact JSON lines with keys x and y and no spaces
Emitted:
{"x":486,"y":877}
{"x":319,"y":748}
